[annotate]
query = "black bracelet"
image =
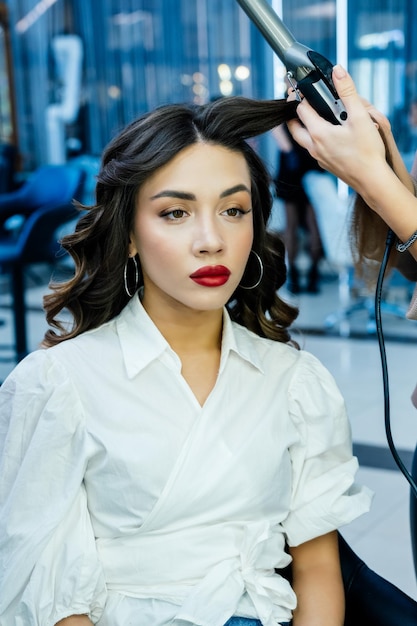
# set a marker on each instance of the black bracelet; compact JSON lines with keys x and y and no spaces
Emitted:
{"x":402,"y":247}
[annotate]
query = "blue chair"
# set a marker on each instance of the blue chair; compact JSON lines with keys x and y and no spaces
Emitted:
{"x":43,"y":204}
{"x":46,"y":186}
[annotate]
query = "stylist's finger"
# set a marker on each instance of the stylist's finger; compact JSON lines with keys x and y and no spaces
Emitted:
{"x":302,"y":130}
{"x":346,"y":90}
{"x":345,"y":87}
{"x":379,"y":118}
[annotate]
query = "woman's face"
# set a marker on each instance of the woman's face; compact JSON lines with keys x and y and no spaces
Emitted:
{"x":193,"y":228}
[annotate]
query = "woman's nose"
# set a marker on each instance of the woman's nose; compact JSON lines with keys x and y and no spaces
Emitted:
{"x":207,"y":238}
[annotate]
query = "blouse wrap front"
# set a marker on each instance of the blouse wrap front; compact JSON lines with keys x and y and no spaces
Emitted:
{"x":122,"y":498}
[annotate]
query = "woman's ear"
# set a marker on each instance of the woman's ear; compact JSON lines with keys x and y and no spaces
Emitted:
{"x":132,"y":248}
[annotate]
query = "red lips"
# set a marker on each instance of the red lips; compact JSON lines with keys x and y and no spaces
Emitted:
{"x":211,"y":275}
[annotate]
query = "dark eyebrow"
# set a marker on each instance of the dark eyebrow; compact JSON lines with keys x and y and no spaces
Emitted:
{"x":171,"y":193}
{"x":232,"y":190}
{"x":183,"y":195}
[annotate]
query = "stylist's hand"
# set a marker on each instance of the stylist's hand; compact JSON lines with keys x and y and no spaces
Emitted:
{"x":346,"y":150}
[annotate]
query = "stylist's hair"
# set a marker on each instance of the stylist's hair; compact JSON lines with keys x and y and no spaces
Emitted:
{"x":99,"y":245}
{"x":369,"y":236}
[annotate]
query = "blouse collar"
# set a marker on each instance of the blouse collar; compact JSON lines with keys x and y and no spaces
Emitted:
{"x":141,"y":341}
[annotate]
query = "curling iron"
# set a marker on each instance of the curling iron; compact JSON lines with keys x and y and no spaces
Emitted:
{"x":308,"y":71}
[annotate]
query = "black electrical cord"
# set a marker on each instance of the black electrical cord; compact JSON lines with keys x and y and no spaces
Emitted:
{"x":378,"y":296}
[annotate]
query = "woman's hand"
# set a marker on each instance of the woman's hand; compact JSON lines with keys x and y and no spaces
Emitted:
{"x":75,"y":620}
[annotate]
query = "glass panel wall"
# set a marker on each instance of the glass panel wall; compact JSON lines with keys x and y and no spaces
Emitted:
{"x":313,"y":23}
{"x":383,"y":60}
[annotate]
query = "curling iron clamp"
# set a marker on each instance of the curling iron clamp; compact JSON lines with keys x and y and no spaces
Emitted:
{"x":308,"y":72}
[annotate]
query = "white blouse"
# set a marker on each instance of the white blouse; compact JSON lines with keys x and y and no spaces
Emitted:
{"x":122,"y":498}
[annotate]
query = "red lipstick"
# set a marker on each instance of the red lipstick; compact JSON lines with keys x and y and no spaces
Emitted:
{"x":211,"y":276}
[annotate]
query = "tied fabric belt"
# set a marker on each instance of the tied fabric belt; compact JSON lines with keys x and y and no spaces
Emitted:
{"x":205,"y":570}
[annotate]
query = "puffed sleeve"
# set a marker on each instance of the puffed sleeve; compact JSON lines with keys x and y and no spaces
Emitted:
{"x":49,"y":568}
{"x":324,"y":494}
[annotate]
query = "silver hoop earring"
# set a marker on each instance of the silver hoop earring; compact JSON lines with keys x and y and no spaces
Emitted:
{"x":136,"y":273}
{"x":261,"y":272}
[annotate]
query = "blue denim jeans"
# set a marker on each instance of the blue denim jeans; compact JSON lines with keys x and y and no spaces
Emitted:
{"x":244,"y":621}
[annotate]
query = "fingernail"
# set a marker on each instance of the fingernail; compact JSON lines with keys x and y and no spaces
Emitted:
{"x":339,"y":71}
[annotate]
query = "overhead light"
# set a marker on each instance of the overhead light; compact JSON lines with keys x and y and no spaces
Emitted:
{"x":226,"y":87}
{"x":224,"y":71}
{"x":127,"y":19}
{"x":382,"y":40}
{"x":320,"y":10}
{"x":242,"y":72}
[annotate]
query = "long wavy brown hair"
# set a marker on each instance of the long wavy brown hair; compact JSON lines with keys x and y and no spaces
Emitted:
{"x":99,"y":246}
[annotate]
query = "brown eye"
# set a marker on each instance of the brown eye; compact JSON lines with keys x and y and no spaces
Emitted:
{"x":174,"y":214}
{"x":234,"y":212}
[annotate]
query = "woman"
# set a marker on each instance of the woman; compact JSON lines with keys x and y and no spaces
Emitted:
{"x":172,"y":450}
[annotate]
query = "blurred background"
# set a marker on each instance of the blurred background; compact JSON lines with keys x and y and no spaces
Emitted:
{"x":72,"y":73}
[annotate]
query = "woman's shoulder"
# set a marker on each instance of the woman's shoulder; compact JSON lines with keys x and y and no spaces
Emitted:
{"x":38,"y":388}
{"x":36,"y":364}
{"x":37,"y":374}
{"x":47,"y":364}
{"x":88,"y":345}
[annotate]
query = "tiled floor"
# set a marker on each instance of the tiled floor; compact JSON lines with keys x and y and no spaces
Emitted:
{"x":382,"y":537}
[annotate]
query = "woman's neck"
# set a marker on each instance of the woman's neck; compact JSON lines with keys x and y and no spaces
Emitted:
{"x":187,"y":330}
